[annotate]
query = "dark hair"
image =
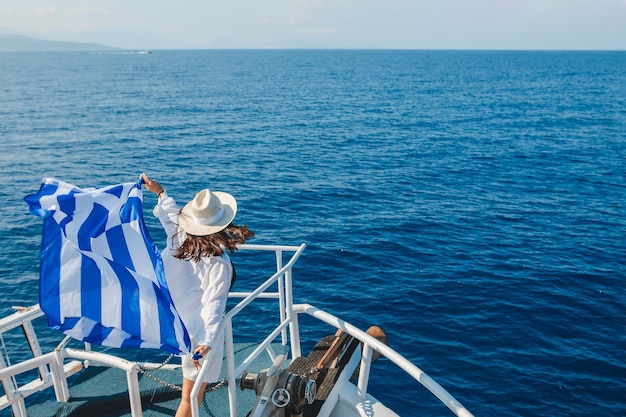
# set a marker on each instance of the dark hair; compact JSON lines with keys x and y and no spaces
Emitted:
{"x":195,"y":247}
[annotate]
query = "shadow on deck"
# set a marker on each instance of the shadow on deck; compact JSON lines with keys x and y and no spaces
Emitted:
{"x":102,"y":391}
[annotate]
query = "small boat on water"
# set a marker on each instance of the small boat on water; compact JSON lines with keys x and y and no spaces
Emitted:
{"x":271,"y":377}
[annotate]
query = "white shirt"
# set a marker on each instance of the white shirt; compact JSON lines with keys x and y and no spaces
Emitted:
{"x":199,"y":290}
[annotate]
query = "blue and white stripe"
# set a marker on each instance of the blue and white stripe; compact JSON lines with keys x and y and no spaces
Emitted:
{"x":101,"y":277}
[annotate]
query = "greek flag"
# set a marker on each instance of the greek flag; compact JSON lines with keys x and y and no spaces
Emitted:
{"x":101,"y":276}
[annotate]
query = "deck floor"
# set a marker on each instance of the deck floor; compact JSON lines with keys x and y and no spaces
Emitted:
{"x":101,"y":391}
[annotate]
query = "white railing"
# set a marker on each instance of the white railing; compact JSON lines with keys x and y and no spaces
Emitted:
{"x":54,"y":373}
{"x":369,"y":345}
{"x":14,"y":395}
{"x":289,"y":319}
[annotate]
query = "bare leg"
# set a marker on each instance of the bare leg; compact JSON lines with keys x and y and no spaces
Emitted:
{"x":184,"y":409}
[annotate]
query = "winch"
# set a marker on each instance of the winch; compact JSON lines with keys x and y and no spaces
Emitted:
{"x":280,"y":393}
{"x":302,"y":389}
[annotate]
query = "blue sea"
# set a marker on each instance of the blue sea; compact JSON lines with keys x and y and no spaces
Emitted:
{"x":471,"y":203}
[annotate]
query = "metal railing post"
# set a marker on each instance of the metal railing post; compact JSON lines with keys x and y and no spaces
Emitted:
{"x":33,"y":342}
{"x":230,"y":366}
{"x":281,"y":293}
{"x":133,"y":392}
{"x":292,"y":317}
{"x":61,"y":390}
{"x":364,"y":371}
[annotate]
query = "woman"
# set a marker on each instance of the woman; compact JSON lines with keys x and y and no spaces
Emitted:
{"x":198,"y":271}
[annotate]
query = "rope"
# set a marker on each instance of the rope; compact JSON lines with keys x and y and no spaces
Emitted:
{"x":4,"y":348}
{"x":8,"y":362}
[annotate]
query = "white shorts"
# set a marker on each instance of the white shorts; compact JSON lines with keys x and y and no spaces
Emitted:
{"x":215,"y":366}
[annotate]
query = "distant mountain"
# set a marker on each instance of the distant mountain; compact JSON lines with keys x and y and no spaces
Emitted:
{"x":25,"y":43}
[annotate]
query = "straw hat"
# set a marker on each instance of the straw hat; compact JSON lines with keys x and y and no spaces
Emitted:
{"x":208,"y":213}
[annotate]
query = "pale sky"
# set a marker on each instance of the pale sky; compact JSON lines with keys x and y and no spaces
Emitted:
{"x":390,"y":24}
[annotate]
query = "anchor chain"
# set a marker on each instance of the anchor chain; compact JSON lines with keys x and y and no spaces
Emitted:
{"x":145,"y":370}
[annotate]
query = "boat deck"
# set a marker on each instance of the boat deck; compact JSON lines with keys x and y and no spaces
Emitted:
{"x":104,"y":392}
{"x":157,"y":399}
